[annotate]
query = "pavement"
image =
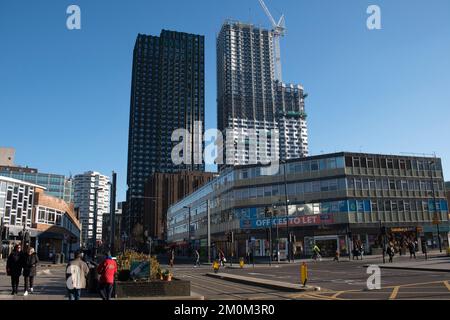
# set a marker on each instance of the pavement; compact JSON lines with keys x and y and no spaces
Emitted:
{"x":404,"y":279}
{"x":265,"y":283}
{"x":50,"y":285}
{"x":436,"y":264}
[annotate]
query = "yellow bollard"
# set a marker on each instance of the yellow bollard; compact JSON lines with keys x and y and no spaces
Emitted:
{"x":216,"y":266}
{"x":304,"y":273}
{"x":241,"y":262}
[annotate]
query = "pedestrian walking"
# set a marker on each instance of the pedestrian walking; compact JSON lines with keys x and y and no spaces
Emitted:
{"x":171,"y":257}
{"x":222,"y":258}
{"x":336,"y":256}
{"x":29,"y":270}
{"x":412,"y":250}
{"x":14,"y":267}
{"x":355,"y":251}
{"x":361,"y":250}
{"x":107,"y":270}
{"x":76,"y":274}
{"x":197,"y":259}
{"x":391,"y":252}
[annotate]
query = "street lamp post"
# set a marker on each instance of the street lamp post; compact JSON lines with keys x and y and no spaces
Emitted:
{"x":112,"y":209}
{"x":94,"y":237}
{"x":435,"y":213}
{"x":189,"y":230}
{"x":208,"y":225}
{"x":287,"y":212}
{"x":278,"y":239}
{"x":382,"y":239}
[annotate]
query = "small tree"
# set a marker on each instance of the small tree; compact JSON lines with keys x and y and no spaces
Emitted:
{"x":138,"y":233}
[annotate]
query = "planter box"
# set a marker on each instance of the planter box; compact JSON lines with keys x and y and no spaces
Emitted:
{"x":153,"y":288}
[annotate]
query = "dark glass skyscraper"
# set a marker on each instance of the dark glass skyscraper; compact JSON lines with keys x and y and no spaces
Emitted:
{"x":167,"y":93}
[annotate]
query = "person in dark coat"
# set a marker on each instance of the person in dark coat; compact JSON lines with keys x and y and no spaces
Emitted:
{"x":14,"y":267}
{"x":29,"y":270}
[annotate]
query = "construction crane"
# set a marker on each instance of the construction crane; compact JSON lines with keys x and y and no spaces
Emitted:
{"x":279,"y":30}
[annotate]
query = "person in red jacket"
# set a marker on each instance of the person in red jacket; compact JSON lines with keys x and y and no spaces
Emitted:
{"x":107,"y":270}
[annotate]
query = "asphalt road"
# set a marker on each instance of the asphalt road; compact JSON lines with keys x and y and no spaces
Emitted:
{"x":338,"y":281}
{"x":343,"y":280}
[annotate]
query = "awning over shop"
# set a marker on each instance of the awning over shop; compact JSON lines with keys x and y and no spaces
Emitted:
{"x":14,"y":231}
{"x":51,"y":235}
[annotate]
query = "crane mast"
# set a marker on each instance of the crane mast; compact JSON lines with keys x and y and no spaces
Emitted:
{"x":279,"y":30}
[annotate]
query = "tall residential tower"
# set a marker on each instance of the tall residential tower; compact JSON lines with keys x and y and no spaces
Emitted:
{"x":167,"y":93}
{"x":88,"y":187}
{"x":249,"y":97}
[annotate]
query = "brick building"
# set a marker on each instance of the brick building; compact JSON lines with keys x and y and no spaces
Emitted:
{"x":164,"y":189}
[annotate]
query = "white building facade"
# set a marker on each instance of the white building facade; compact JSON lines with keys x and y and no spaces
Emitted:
{"x":87,"y":187}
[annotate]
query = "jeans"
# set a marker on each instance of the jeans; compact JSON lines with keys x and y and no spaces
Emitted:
{"x":106,"y":290}
{"x":28,"y":282}
{"x":15,"y":283}
{"x":74,"y":294}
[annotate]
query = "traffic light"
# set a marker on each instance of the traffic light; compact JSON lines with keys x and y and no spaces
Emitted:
{"x":230,"y":236}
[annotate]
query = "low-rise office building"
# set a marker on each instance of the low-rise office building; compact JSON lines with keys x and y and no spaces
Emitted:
{"x":57,"y":225}
{"x":333,"y":200}
{"x":56,"y":185}
{"x":48,"y":223}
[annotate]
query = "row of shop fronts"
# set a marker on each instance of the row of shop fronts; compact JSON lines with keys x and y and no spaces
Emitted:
{"x":330,"y":239}
{"x":332,"y":200}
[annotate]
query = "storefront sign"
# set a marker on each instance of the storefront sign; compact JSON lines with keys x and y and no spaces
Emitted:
{"x":405,"y":229}
{"x":282,"y":221}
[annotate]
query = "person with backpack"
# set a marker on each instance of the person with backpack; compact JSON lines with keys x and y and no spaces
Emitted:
{"x":107,"y":271}
{"x":76,"y":274}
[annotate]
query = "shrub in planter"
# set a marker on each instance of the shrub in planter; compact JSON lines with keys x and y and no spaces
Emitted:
{"x":123,"y":275}
{"x":124,"y":264}
{"x":167,"y":276}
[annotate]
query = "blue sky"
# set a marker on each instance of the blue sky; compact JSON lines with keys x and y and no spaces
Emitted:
{"x":65,"y":95}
